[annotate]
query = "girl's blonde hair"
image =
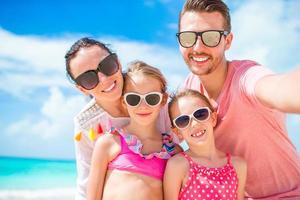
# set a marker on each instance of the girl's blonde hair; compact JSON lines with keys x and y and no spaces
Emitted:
{"x":140,"y":67}
{"x":188,"y":93}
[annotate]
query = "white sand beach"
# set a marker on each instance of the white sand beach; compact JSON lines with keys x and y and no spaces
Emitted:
{"x":41,"y":194}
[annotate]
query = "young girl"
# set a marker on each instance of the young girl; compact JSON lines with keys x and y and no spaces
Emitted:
{"x":202,"y":172}
{"x":129,"y":163}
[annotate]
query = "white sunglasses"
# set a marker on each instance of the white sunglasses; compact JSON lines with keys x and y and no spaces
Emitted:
{"x":201,"y":114}
{"x":134,"y":99}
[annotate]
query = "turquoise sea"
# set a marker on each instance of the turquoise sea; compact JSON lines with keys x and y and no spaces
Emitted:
{"x":28,"y":174}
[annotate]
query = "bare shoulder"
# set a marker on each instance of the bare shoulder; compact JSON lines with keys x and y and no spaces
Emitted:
{"x":178,"y":166}
{"x":239,"y":163}
{"x":108,"y":143}
{"x":178,"y":161}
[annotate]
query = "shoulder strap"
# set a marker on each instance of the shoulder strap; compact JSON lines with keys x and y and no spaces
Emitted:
{"x":122,"y":140}
{"x":188,"y":158}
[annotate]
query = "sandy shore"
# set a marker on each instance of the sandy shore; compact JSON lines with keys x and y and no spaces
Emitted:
{"x":45,"y":194}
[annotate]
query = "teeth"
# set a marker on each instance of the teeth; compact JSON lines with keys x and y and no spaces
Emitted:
{"x":200,"y":59}
{"x":110,"y":87}
{"x":198,"y":134}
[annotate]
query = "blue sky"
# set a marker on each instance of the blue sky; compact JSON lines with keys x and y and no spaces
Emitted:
{"x":37,"y":103}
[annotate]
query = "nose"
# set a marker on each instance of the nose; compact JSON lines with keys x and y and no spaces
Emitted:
{"x":101,"y":77}
{"x":193,"y":122}
{"x":198,"y":46}
{"x":143,"y":103}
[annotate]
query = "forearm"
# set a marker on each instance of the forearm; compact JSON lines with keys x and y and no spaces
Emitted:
{"x":281,"y":92}
{"x":291,"y":91}
{"x":95,"y":186}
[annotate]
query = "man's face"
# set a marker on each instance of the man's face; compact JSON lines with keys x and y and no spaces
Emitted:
{"x":109,"y":88}
{"x":203,"y":60}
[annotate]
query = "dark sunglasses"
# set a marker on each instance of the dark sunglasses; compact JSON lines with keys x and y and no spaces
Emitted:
{"x":200,"y":115}
{"x":89,"y":79}
{"x":210,"y":38}
{"x":151,"y":98}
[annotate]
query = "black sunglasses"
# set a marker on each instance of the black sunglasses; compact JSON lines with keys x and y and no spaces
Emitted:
{"x":89,"y":79}
{"x":183,"y":121}
{"x":151,"y":98}
{"x":210,"y":38}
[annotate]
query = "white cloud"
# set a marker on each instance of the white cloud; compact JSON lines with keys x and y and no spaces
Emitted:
{"x":54,"y":119}
{"x":267,"y":33}
{"x":35,"y":53}
{"x":23,"y":85}
{"x":31,"y":63}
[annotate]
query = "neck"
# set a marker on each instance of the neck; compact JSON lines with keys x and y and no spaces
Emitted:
{"x":142,"y":131}
{"x":114,"y":108}
{"x":213,"y":83}
{"x":208,"y":150}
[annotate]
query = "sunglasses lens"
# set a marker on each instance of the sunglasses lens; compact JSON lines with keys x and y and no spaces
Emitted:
{"x":201,"y":114}
{"x":132,"y":99}
{"x":153,"y":99}
{"x":88,"y":80}
{"x":109,"y":65}
{"x":182,"y":121}
{"x":211,"y":38}
{"x":187,"y":39}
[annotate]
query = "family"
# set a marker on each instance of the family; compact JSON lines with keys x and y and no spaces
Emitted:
{"x":230,"y":113}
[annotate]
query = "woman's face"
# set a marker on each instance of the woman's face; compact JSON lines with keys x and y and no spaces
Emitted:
{"x":109,"y":88}
{"x":197,"y":132}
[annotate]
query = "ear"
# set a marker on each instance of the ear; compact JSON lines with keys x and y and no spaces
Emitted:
{"x":82,"y":90}
{"x":228,"y":40}
{"x":214,"y":118}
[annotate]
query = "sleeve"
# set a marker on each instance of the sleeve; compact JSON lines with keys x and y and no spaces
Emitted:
{"x":83,"y":151}
{"x":250,"y":77}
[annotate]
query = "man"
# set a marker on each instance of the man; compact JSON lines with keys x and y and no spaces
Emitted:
{"x":249,"y":98}
{"x":96,"y":72}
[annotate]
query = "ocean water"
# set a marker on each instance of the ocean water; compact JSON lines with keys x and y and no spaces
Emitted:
{"x":28,"y":174}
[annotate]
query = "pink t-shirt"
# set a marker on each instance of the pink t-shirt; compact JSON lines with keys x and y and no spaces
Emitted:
{"x":248,"y":129}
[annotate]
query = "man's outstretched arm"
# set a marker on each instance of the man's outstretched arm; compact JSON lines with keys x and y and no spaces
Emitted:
{"x":280,"y":91}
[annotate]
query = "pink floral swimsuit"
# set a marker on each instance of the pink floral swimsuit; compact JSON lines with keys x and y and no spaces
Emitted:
{"x":210,"y":183}
{"x":131,"y":159}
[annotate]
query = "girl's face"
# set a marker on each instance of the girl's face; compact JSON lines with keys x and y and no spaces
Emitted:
{"x":197,"y":132}
{"x":140,"y":111}
{"x":109,"y":88}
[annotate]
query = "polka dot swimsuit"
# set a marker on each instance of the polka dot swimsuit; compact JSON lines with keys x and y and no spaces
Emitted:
{"x":210,"y":183}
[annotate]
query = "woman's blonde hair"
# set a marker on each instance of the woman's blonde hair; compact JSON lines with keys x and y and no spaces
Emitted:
{"x":140,"y":67}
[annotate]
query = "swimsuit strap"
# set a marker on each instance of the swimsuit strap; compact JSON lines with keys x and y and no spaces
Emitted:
{"x":189,"y":159}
